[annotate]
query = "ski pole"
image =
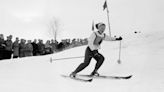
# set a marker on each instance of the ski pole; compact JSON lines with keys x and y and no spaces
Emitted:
{"x":119,"y":61}
{"x":65,"y":58}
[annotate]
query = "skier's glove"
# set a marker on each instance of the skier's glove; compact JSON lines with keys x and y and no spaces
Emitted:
{"x":95,"y":53}
{"x":120,"y":38}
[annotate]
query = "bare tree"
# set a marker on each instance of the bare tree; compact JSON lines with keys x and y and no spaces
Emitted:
{"x":53,"y":27}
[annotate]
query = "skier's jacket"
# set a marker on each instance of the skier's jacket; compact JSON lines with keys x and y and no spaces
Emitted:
{"x":95,"y":40}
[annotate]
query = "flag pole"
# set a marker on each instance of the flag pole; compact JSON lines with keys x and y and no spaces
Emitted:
{"x":92,"y":25}
{"x":108,"y":19}
{"x":109,"y":22}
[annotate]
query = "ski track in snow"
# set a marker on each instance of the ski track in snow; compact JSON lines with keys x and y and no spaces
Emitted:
{"x":141,"y":56}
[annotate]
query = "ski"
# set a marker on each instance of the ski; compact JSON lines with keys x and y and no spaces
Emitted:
{"x":78,"y":79}
{"x":107,"y":77}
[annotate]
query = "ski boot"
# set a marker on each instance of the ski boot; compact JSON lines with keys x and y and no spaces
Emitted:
{"x":73,"y":75}
{"x":94,"y":74}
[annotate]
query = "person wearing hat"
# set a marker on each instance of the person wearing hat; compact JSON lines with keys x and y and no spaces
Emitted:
{"x":28,"y":49}
{"x":2,"y":47}
{"x":94,"y":42}
{"x":16,"y":48}
{"x":22,"y":48}
{"x":8,"y":48}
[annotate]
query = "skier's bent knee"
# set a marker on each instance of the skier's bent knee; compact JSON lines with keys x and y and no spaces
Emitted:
{"x":102,"y":58}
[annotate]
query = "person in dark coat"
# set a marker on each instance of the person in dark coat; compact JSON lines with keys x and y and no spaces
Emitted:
{"x":16,"y":48}
{"x":35,"y":47}
{"x":41,"y":47}
{"x":8,"y":48}
{"x":28,"y":49}
{"x":60,"y":46}
{"x":54,"y":44}
{"x":2,"y":46}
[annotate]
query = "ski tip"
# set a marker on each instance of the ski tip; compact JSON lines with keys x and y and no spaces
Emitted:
{"x":129,"y":77}
{"x":90,"y":80}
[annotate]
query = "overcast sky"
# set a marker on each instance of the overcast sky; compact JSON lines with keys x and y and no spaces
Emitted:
{"x":31,"y":19}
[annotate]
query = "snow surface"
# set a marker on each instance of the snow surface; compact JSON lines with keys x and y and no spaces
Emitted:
{"x":141,"y":56}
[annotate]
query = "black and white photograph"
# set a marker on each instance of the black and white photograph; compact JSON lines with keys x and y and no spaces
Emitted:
{"x":81,"y":45}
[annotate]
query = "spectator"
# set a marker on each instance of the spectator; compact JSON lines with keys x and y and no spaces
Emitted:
{"x":8,"y":48}
{"x":60,"y":46}
{"x":22,"y":48}
{"x":16,"y":48}
{"x":28,"y":48}
{"x":68,"y":42}
{"x":48,"y":47}
{"x":2,"y":46}
{"x":41,"y":47}
{"x":81,"y":41}
{"x":73,"y":42}
{"x":35,"y":47}
{"x":54,"y":44}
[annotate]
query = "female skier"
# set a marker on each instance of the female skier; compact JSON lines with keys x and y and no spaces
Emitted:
{"x":94,"y":42}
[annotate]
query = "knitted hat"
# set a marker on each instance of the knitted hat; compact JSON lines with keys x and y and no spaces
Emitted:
{"x":99,"y":24}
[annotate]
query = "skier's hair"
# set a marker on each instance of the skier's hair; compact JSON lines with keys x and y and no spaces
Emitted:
{"x":99,"y":24}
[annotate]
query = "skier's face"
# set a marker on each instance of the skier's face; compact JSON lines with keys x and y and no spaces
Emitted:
{"x":101,"y":28}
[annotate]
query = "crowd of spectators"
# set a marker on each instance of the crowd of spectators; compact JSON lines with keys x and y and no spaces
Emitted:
{"x":23,"y":48}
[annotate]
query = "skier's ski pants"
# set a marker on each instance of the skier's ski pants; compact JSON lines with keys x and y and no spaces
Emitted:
{"x":88,"y":56}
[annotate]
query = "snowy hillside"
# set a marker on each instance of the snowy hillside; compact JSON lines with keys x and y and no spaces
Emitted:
{"x":141,"y":55}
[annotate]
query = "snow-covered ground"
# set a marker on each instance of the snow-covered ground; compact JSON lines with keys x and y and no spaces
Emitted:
{"x":141,"y":56}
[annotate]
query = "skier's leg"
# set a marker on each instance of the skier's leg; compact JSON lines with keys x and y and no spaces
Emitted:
{"x":82,"y":65}
{"x":100,"y":59}
{"x":86,"y":62}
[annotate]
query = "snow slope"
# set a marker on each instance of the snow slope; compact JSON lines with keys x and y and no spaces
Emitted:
{"x":141,"y":55}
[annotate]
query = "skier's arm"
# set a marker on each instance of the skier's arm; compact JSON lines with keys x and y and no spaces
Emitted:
{"x":109,"y":38}
{"x":91,"y":41}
